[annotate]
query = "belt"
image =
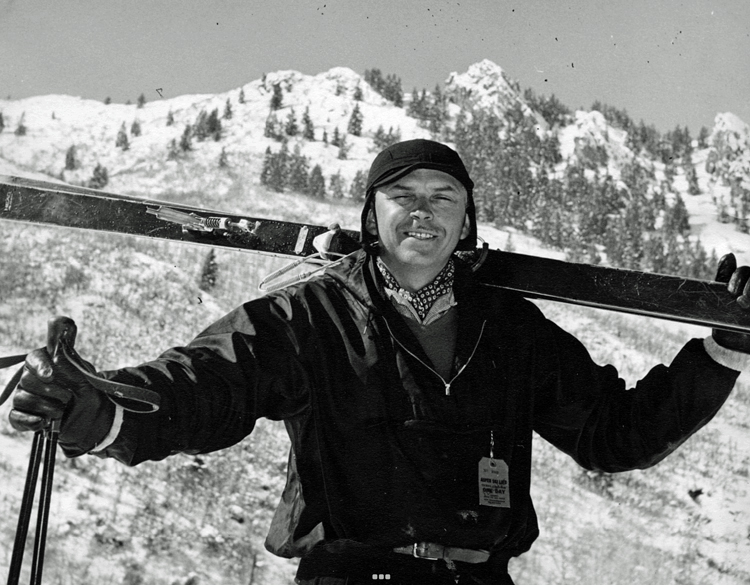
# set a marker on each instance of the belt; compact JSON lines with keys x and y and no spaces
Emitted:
{"x":433,"y":551}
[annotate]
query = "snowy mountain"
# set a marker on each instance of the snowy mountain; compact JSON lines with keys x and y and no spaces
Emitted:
{"x":152,"y":165}
{"x":55,"y":123}
{"x":486,"y":86}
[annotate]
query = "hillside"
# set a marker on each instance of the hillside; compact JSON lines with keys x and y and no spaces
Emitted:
{"x":683,"y":522}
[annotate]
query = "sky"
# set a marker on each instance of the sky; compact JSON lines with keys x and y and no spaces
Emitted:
{"x":665,"y":62}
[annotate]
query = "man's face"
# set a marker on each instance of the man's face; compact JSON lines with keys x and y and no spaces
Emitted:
{"x":420,"y":219}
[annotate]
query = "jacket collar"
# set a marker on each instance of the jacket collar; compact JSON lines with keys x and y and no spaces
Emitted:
{"x":359,"y":275}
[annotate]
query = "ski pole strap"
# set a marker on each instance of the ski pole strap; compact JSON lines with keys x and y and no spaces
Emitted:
{"x":129,"y":397}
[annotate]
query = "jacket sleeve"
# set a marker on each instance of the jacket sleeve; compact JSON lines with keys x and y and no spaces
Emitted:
{"x":247,"y":365}
{"x":587,"y":411}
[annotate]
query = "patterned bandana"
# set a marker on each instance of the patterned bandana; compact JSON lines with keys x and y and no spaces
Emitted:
{"x":425,"y":297}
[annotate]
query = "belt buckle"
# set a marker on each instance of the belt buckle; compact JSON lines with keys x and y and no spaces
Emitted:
{"x":420,"y":550}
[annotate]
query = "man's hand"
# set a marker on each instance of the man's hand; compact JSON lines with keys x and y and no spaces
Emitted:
{"x":52,"y":388}
{"x":738,"y":283}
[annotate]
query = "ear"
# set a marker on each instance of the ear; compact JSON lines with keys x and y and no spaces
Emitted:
{"x":467,"y":227}
{"x":371,"y":224}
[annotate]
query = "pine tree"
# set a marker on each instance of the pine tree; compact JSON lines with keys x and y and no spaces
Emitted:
{"x":379,"y":138}
{"x":633,"y":235}
{"x":107,"y":100}
{"x":669,"y":172}
{"x":336,"y":186}
{"x":336,"y":140}
{"x":213,"y":125}
{"x":740,"y":198}
{"x":135,"y":128}
{"x":357,"y":190}
{"x":70,"y":159}
{"x":277,"y":98}
{"x":436,"y":113}
{"x":389,"y":86}
{"x":186,"y":143}
{"x":416,"y":108}
{"x":325,"y":136}
{"x":2,"y":122}
{"x":355,"y":122}
{"x":266,"y":168}
{"x":391,"y":137}
{"x":704,"y":265}
{"x":141,"y":100}
{"x":277,"y":174}
{"x":677,"y":218}
{"x":270,"y":126}
{"x":308,"y":130}
{"x":223,"y":159}
{"x":122,"y":138}
{"x":170,"y":118}
{"x":172,"y":151}
{"x":358,"y":95}
{"x":299,"y":171}
{"x":200,"y":126}
{"x":209,"y":272}
{"x":100,"y":178}
{"x":375,"y":78}
{"x":343,"y":148}
{"x":228,"y":110}
{"x":21,"y":128}
{"x":392,"y":90}
{"x":242,"y":96}
{"x":291,"y":128}
{"x":703,"y":137}
{"x":317,"y":183}
{"x":692,"y":179}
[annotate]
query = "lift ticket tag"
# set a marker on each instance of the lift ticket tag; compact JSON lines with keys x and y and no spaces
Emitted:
{"x":493,"y":483}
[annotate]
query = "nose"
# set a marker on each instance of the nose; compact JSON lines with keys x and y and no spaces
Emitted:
{"x":421,"y":208}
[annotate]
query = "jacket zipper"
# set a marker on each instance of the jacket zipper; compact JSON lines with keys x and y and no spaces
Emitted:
{"x":416,"y":357}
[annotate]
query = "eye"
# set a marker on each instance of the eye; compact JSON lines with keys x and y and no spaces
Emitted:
{"x":444,"y":199}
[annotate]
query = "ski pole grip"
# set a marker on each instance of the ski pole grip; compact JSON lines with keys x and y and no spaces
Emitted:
{"x":60,"y":329}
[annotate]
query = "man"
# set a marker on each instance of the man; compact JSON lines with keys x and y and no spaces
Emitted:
{"x":409,"y":391}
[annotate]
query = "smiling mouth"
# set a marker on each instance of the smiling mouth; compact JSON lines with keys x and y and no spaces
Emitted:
{"x":420,"y":235}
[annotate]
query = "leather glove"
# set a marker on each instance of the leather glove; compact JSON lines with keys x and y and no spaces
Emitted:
{"x":52,"y":388}
{"x":738,"y":283}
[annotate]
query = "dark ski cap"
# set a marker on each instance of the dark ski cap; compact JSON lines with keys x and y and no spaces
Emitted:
{"x":400,"y":159}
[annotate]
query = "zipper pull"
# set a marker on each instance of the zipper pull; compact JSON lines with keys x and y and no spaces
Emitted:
{"x":447,"y":388}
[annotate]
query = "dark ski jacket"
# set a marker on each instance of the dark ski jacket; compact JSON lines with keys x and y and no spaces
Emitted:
{"x":384,"y":452}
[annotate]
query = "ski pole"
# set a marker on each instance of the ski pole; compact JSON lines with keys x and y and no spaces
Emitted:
{"x":25,"y":514}
{"x":45,"y":498}
{"x":43,"y":448}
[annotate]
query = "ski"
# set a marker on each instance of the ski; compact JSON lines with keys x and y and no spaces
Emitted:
{"x":697,"y":302}
{"x":70,"y":206}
